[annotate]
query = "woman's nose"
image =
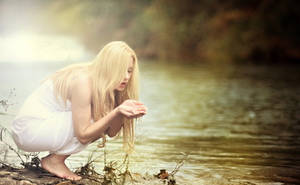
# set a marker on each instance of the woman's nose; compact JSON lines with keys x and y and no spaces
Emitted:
{"x":127,"y":76}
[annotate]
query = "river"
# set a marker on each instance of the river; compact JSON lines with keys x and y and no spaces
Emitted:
{"x":238,"y":124}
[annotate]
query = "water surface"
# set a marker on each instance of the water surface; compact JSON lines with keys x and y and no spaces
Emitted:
{"x":238,"y":124}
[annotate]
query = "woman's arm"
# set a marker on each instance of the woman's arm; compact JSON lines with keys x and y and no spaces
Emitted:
{"x":81,"y":98}
{"x":115,"y":127}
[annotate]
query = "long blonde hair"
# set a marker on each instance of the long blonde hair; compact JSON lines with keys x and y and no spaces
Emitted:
{"x":108,"y":70}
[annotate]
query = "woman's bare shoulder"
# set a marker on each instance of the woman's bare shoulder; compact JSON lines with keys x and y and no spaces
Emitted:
{"x":82,"y":78}
{"x":81,"y":85}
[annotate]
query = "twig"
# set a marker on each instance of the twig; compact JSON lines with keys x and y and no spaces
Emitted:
{"x":3,"y":130}
{"x":179,"y":164}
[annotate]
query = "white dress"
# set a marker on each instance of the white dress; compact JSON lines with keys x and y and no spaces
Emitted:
{"x":45,"y":124}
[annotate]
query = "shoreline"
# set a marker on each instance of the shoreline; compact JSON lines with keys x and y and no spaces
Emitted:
{"x":36,"y":176}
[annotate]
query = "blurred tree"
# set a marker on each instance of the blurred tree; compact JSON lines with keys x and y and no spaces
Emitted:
{"x":183,"y":31}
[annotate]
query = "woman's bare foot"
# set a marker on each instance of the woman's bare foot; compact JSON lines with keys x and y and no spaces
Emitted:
{"x":55,"y":164}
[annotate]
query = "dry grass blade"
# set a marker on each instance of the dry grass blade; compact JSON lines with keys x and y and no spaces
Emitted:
{"x":179,"y":164}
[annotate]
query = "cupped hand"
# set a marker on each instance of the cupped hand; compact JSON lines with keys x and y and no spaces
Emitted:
{"x":132,"y":109}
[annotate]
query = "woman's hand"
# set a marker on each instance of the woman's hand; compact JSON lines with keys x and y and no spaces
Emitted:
{"x":132,"y":109}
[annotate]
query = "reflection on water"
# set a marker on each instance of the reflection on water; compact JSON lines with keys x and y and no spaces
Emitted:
{"x":238,"y":124}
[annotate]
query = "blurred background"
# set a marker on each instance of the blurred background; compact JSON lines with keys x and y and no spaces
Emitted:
{"x":220,"y":79}
{"x":259,"y":31}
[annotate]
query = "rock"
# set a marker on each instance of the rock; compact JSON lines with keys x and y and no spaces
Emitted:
{"x":25,"y":182}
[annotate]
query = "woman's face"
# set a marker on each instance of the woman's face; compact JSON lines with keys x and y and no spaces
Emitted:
{"x":125,"y":81}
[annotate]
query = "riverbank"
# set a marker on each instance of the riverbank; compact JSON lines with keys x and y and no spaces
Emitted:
{"x":34,"y":176}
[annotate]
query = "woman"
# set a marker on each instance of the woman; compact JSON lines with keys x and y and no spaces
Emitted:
{"x":80,"y":104}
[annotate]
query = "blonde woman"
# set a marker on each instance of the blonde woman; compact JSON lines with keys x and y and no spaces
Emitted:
{"x":80,"y":104}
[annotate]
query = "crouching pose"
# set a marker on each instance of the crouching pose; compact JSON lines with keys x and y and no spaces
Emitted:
{"x":78,"y":105}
